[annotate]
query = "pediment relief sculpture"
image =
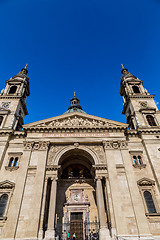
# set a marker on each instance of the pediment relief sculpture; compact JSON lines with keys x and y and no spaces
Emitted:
{"x":75,"y":121}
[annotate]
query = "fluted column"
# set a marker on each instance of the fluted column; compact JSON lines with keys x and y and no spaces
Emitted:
{"x":50,"y":233}
{"x":104,"y":231}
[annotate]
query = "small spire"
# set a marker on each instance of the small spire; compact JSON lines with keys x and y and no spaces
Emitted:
{"x":122,"y":66}
{"x":24,"y":70}
{"x":26,"y":66}
{"x":124,"y":70}
{"x":74,"y":93}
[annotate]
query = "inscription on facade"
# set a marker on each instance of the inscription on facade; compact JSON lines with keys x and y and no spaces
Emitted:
{"x":75,"y":134}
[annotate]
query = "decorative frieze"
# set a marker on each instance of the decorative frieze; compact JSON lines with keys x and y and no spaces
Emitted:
{"x":121,"y":144}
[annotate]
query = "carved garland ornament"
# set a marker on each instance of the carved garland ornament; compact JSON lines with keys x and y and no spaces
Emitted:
{"x":115,"y":144}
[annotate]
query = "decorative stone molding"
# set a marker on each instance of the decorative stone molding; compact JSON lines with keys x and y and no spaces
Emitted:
{"x":53,"y":168}
{"x":121,"y":144}
{"x":76,"y":144}
{"x":11,"y":168}
{"x":7,"y":185}
{"x":99,"y":150}
{"x":145,"y":182}
{"x":99,"y":167}
{"x":41,"y":146}
{"x":80,"y":181}
{"x":52,"y":152}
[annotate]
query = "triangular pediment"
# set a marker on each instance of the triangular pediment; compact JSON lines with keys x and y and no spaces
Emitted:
{"x":75,"y":120}
{"x":145,"y":182}
{"x":7,"y":184}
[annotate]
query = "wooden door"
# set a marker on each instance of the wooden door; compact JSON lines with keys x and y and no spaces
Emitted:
{"x":76,"y":225}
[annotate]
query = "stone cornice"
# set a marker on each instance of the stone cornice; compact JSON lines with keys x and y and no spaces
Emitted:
{"x":53,"y":168}
{"x":6,"y":132}
{"x":149,"y":130}
{"x":100,"y":167}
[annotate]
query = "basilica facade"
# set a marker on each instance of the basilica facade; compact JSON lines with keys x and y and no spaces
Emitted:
{"x":77,"y":173}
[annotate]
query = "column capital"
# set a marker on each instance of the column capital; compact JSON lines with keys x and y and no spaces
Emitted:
{"x":54,"y":179}
{"x":98,"y":178}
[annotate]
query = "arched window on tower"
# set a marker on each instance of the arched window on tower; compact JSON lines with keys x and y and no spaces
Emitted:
{"x":13,"y":90}
{"x":149,"y":202}
{"x":151,"y":120}
{"x":3,"y":204}
{"x":135,"y":89}
{"x":1,"y":119}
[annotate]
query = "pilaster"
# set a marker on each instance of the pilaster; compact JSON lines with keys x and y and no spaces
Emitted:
{"x":32,"y":201}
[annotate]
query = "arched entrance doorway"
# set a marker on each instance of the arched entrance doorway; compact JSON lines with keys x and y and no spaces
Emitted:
{"x":76,"y":206}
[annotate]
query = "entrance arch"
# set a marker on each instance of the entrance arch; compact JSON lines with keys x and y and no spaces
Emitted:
{"x":76,"y":206}
{"x":76,"y":192}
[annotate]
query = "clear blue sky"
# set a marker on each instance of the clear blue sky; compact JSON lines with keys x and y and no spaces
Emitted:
{"x":73,"y":45}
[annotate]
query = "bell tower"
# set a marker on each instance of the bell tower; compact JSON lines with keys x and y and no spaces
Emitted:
{"x":13,"y":107}
{"x":139,"y":106}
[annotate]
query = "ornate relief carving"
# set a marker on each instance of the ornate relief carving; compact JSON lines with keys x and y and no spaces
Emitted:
{"x":115,"y":144}
{"x":7,"y":184}
{"x":76,"y":145}
{"x":99,"y":150}
{"x":145,"y":182}
{"x":41,"y":146}
{"x":53,"y":150}
{"x":77,"y":122}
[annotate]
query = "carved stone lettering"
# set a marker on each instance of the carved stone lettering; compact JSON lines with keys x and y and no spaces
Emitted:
{"x":41,"y":146}
{"x":28,"y":145}
{"x":115,"y":144}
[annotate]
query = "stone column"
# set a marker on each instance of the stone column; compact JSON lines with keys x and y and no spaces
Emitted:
{"x":111,"y":220}
{"x":50,"y":233}
{"x":40,"y":234}
{"x":104,"y":231}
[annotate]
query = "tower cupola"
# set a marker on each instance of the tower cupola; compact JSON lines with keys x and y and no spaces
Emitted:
{"x":138,"y":105}
{"x":74,"y":107}
{"x":13,"y":101}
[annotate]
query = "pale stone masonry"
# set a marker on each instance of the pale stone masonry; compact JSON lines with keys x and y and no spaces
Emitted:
{"x":77,"y":173}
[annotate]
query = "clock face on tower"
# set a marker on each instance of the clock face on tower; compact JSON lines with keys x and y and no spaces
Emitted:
{"x":5,"y":104}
